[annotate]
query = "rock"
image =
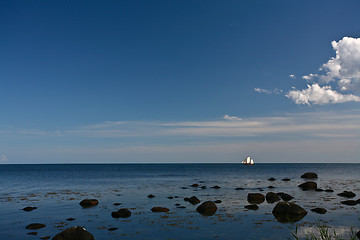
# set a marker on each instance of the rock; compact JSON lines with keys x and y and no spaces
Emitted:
{"x":347,"y":194}
{"x":195,"y":185}
{"x":272,"y":197}
{"x":286,"y":212}
{"x":89,"y":203}
{"x":252,"y":207}
{"x":150,"y":196}
{"x":255,"y":198}
{"x":329,"y":190}
{"x":181,"y":207}
{"x":207,"y":208}
{"x":186,"y":199}
{"x":239,"y":188}
{"x":34,"y":226}
{"x":112,"y":229}
{"x":309,"y":175}
{"x":203,"y":187}
{"x":177,"y":204}
{"x":350,"y":202}
{"x":271,"y":187}
{"x":170,"y":197}
{"x":70,"y":219}
{"x":45,"y":238}
{"x":28,"y":209}
{"x":358,"y":234}
{"x":319,"y":190}
{"x":160,"y":209}
{"x":216,"y":187}
{"x":121,"y":213}
{"x":74,"y":233}
{"x":194,"y":200}
{"x":117,"y":204}
{"x":319,"y":210}
{"x":217,"y":201}
{"x":271,"y":179}
{"x":308,"y":186}
{"x":286,"y":179}
{"x":284,"y":196}
{"x":32,"y":233}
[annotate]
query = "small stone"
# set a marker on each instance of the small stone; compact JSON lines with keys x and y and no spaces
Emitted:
{"x":350,"y":202}
{"x":150,"y":196}
{"x":271,"y":187}
{"x":319,"y":190}
{"x":203,"y":187}
{"x":34,"y":226}
{"x":347,"y":194}
{"x":272,"y":179}
{"x":74,"y":233}
{"x":32,"y":233}
{"x":177,"y":204}
{"x":309,"y":175}
{"x":70,"y":219}
{"x":28,"y":209}
{"x":217,"y":201}
{"x":160,"y":209}
{"x":286,"y":179}
{"x":186,"y":199}
{"x":194,"y":200}
{"x":319,"y":210}
{"x":239,"y":188}
{"x":89,"y":203}
{"x":121,"y":213}
{"x":112,"y":229}
{"x":170,"y":197}
{"x":308,"y":186}
{"x":181,"y":207}
{"x":207,"y":208}
{"x":329,"y":190}
{"x":45,"y":238}
{"x":216,"y":187}
{"x":252,"y":207}
{"x":195,"y":185}
{"x":117,"y":204}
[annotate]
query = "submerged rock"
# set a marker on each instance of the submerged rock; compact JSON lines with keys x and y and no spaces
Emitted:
{"x":70,"y":219}
{"x":329,"y":190}
{"x":46,"y":237}
{"x":160,"y":209}
{"x":194,"y":200}
{"x":112,"y":229}
{"x":34,"y":226}
{"x":28,"y":209}
{"x":308,"y":186}
{"x":74,"y":233}
{"x":252,"y":207}
{"x":239,"y":188}
{"x":195,"y":185}
{"x":272,"y":197}
{"x":319,"y":190}
{"x":217,"y":201}
{"x":32,"y":233}
{"x":121,"y":213}
{"x":207,"y":208}
{"x":286,"y":212}
{"x":309,"y":175}
{"x":272,"y":179}
{"x":255,"y":198}
{"x":319,"y":210}
{"x":284,"y":196}
{"x":347,"y":194}
{"x":89,"y":203}
{"x":286,"y":179}
{"x":350,"y":202}
{"x":216,"y":187}
{"x":150,"y":196}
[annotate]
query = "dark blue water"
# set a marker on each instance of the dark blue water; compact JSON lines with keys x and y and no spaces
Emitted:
{"x":57,"y":190}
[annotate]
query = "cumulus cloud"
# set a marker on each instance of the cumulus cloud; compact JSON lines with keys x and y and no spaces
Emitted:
{"x":232,"y":118}
{"x":320,"y":95}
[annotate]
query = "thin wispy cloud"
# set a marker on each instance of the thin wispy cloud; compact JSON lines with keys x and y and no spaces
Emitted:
{"x":232,"y":118}
{"x":274,"y":91}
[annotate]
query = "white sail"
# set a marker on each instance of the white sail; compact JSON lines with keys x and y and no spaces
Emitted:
{"x":248,"y":161}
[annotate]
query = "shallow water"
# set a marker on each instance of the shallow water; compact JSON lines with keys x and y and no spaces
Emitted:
{"x":57,"y":190}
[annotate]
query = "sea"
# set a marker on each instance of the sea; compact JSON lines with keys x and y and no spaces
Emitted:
{"x":57,"y":189}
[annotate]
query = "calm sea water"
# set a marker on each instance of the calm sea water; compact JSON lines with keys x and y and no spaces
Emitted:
{"x":56,"y":191}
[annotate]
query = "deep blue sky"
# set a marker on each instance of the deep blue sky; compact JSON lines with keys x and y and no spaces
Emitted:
{"x":68,"y":65}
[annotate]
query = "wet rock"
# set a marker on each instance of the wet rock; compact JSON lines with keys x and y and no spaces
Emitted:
{"x":181,"y":207}
{"x":186,"y":199}
{"x":271,"y":179}
{"x":32,"y":233}
{"x":70,"y":219}
{"x":28,"y":209}
{"x":319,"y":190}
{"x":216,"y":187}
{"x":207,"y":208}
{"x":170,"y":197}
{"x":150,"y":196}
{"x":286,"y":179}
{"x":347,"y":194}
{"x":195,"y":185}
{"x":184,"y":188}
{"x":252,"y":207}
{"x":121,"y":213}
{"x":284,"y":196}
{"x":306,"y":186}
{"x":239,"y":188}
{"x":177,"y":204}
{"x":309,"y":175}
{"x":74,"y":233}
{"x":194,"y":200}
{"x":358,"y":234}
{"x":160,"y":209}
{"x":217,"y":201}
{"x":255,"y":198}
{"x":89,"y":203}
{"x":45,"y":238}
{"x":112,"y":229}
{"x":117,"y":204}
{"x":286,"y":212}
{"x":34,"y":226}
{"x":329,"y":190}
{"x":272,"y":197}
{"x":203,"y":187}
{"x":319,"y":210}
{"x":350,"y":202}
{"x":271,"y":187}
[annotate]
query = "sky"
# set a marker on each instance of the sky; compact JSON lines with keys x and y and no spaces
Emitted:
{"x":179,"y":81}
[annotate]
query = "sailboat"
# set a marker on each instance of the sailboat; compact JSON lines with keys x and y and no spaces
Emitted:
{"x":248,"y":161}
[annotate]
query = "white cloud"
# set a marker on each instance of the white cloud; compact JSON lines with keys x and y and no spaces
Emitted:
{"x":320,"y":95}
{"x":310,"y":76}
{"x":292,"y":76}
{"x":232,"y":118}
{"x":275,"y":91}
{"x":3,"y":158}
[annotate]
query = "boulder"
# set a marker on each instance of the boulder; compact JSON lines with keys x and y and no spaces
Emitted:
{"x":74,"y":233}
{"x":286,"y":179}
{"x":286,"y":212}
{"x":271,"y":179}
{"x":34,"y":226}
{"x":272,"y":197}
{"x":121,"y":213}
{"x":347,"y":194}
{"x":207,"y":208}
{"x":350,"y":202}
{"x":28,"y":209}
{"x":309,"y":175}
{"x":150,"y":196}
{"x":319,"y":210}
{"x":160,"y":209}
{"x":306,"y":186}
{"x":284,"y":196}
{"x":255,"y":198}
{"x":89,"y":203}
{"x":252,"y":207}
{"x":194,"y":200}
{"x":216,"y":187}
